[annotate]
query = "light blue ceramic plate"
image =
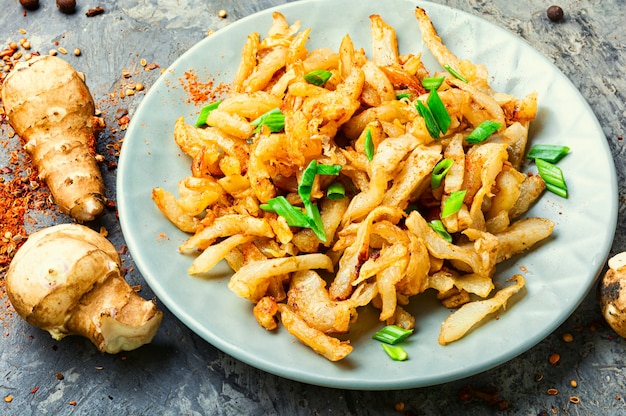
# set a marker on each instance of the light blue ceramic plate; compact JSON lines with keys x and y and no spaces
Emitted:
{"x":559,"y":273}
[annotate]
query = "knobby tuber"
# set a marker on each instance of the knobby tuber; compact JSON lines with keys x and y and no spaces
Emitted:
{"x":49,"y":106}
{"x":612,"y":294}
{"x":66,"y":280}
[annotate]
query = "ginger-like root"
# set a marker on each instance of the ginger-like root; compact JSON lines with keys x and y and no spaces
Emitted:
{"x":612,"y":294}
{"x":49,"y":106}
{"x":66,"y":280}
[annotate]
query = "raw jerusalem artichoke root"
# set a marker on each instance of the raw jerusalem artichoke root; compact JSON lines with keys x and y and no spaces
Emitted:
{"x":66,"y":280}
{"x":49,"y":106}
{"x":612,"y":294}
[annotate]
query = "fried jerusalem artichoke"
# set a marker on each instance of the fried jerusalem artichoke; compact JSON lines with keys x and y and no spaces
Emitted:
{"x":66,"y":280}
{"x":49,"y":106}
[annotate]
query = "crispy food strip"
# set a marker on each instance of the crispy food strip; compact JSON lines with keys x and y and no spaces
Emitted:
{"x":330,"y":347}
{"x":246,"y":280}
{"x":433,"y":42}
{"x":357,"y":252}
{"x":309,"y":298}
{"x":216,"y":252}
{"x":389,"y":154}
{"x":470,"y":314}
{"x":440,"y":248}
{"x":225,"y":226}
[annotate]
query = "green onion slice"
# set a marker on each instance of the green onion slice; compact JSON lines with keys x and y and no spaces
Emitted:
{"x":392,"y":334}
{"x":318,"y":77}
{"x":437,"y":225}
{"x":453,"y":203}
{"x":336,"y":190}
{"x":549,"y":152}
{"x":395,"y":352}
{"x":440,"y":171}
{"x":432,"y":83}
{"x":312,"y":211}
{"x":402,"y":95}
{"x":274,"y":119}
{"x":482,"y":131}
{"x":204,"y":113}
{"x":369,"y":145}
{"x":328,"y":169}
{"x":315,"y":222}
{"x":552,"y":175}
{"x":438,"y":109}
{"x":454,"y":73}
{"x":282,"y":207}
{"x":429,"y":119}
{"x":306,"y":183}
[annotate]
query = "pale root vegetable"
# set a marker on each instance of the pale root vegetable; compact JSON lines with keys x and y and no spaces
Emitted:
{"x":612,"y":294}
{"x":49,"y":106}
{"x":66,"y":280}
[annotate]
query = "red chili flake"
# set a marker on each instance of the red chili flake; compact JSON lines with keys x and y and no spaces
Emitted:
{"x":72,"y":403}
{"x":34,"y":390}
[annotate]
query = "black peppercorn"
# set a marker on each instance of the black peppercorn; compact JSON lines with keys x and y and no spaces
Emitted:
{"x":66,"y":6}
{"x":29,"y":4}
{"x":555,"y":13}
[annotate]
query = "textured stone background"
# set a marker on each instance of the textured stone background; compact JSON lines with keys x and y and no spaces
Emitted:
{"x":179,"y":373}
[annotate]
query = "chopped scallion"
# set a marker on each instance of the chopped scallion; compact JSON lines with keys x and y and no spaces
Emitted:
{"x":328,"y":169}
{"x":402,"y":95}
{"x":439,"y":172}
{"x":204,"y":113}
{"x":336,"y":190}
{"x":291,"y":214}
{"x":453,"y":203}
{"x":395,"y":352}
{"x":318,"y":77}
{"x":437,"y":225}
{"x":552,"y":175}
{"x":315,"y":222}
{"x":438,"y":109}
{"x":429,"y":119}
{"x":432,"y":83}
{"x":274,"y":119}
{"x":369,"y":145}
{"x":454,"y":73}
{"x":392,"y":334}
{"x":306,"y":183}
{"x":312,"y":211}
{"x":549,"y":152}
{"x":482,"y":131}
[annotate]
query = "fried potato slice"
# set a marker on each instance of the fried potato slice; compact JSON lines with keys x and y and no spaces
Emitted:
{"x":309,"y":298}
{"x":225,"y":226}
{"x":341,"y":286}
{"x":435,"y":45}
{"x":168,"y":205}
{"x":215,"y":253}
{"x":440,"y":248}
{"x":413,"y":177}
{"x":331,"y":348}
{"x":522,"y":235}
{"x":245,"y":281}
{"x":266,"y":312}
{"x":530,"y":190}
{"x":248,"y":61}
{"x":472,"y":313}
{"x":383,"y":168}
